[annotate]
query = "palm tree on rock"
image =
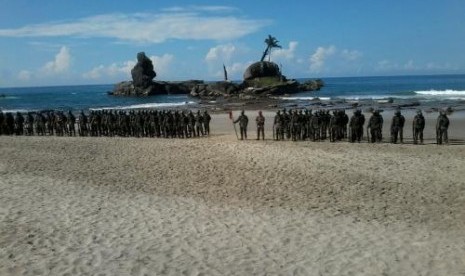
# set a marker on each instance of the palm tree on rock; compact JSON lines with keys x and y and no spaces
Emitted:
{"x":271,"y":42}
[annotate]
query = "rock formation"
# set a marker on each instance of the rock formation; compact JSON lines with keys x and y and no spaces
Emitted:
{"x":261,"y":79}
{"x":262,"y":69}
{"x":215,"y":89}
{"x":142,"y":83}
{"x":143,"y":73}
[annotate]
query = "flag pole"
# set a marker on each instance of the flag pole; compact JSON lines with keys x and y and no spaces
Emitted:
{"x":234,"y":125}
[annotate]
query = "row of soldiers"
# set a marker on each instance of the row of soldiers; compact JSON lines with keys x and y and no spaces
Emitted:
{"x":320,"y":125}
{"x":300,"y":125}
{"x":135,"y":123}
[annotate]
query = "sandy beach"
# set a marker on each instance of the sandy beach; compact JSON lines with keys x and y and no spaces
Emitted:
{"x":219,"y":206}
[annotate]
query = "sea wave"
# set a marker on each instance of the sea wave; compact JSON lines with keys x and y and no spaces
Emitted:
{"x":144,"y":106}
{"x":6,"y":97}
{"x":365,"y":97}
{"x":447,"y":92}
{"x":306,"y":98}
{"x":15,"y":110}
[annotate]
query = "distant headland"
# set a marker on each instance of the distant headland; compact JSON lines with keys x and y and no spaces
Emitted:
{"x":261,"y":79}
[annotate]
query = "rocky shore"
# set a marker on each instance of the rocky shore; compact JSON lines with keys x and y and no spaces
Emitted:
{"x":129,"y":88}
{"x":261,"y":80}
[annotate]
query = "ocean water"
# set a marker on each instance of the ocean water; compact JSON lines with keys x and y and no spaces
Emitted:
{"x":82,"y":97}
{"x":437,"y":89}
{"x":432,"y":90}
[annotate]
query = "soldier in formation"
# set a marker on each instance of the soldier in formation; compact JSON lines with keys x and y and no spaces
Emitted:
{"x":375,"y":125}
{"x":442,"y":125}
{"x":356,"y":126}
{"x":298,"y":125}
{"x":278,"y":124}
{"x":140,"y":123}
{"x":397,"y":127}
{"x":417,"y":127}
{"x":304,"y":125}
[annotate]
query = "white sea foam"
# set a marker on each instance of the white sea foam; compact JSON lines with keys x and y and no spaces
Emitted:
{"x":14,"y":110}
{"x":306,"y":98}
{"x":447,"y":92}
{"x":8,"y":97}
{"x":144,"y":106}
{"x":367,"y":97}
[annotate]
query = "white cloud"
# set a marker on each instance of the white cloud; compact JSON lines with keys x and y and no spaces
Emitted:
{"x":24,"y":75}
{"x":60,"y":64}
{"x":200,"y":8}
{"x":238,"y":68}
{"x":235,"y":71}
{"x":115,"y":69}
{"x":123,"y":70}
{"x":387,"y":66}
{"x":446,"y":66}
{"x":351,"y":55}
{"x":410,"y":66}
{"x":317,"y":60}
{"x":161,"y":64}
{"x":220,"y":53}
{"x":95,"y":73}
{"x":289,"y":53}
{"x":146,"y":28}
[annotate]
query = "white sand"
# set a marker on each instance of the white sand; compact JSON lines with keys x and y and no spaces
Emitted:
{"x":218,"y":206}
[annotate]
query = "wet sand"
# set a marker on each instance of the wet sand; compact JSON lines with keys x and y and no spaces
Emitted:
{"x":219,"y":206}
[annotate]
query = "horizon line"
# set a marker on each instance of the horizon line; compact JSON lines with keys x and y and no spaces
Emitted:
{"x":298,"y":78}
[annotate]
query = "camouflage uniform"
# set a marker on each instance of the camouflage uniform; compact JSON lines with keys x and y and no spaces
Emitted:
{"x":206,"y":122}
{"x":71,"y":120}
{"x":199,"y":124}
{"x":418,"y":127}
{"x":442,"y":125}
{"x":243,"y":121}
{"x":315,"y":126}
{"x":260,"y":120}
{"x":356,"y":126}
{"x":376,"y":127}
{"x":397,"y":127}
{"x":334,"y":125}
{"x":19,"y":124}
{"x":82,"y":124}
{"x":278,"y":131}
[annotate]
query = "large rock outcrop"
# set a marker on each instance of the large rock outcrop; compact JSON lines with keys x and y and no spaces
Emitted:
{"x":262,"y":69}
{"x":215,"y":89}
{"x":127,"y":88}
{"x":143,"y":72}
{"x":142,"y":83}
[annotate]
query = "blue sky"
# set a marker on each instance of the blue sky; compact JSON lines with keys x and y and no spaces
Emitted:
{"x":64,"y":42}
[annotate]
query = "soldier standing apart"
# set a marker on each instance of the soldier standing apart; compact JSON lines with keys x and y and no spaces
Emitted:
{"x":260,"y":120}
{"x":397,"y":127}
{"x":243,"y":121}
{"x":418,"y":127}
{"x":206,"y":122}
{"x":442,"y":126}
{"x":376,"y":127}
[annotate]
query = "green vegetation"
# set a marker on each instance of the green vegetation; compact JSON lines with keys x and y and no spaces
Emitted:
{"x":271,"y":42}
{"x":264,"y":82}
